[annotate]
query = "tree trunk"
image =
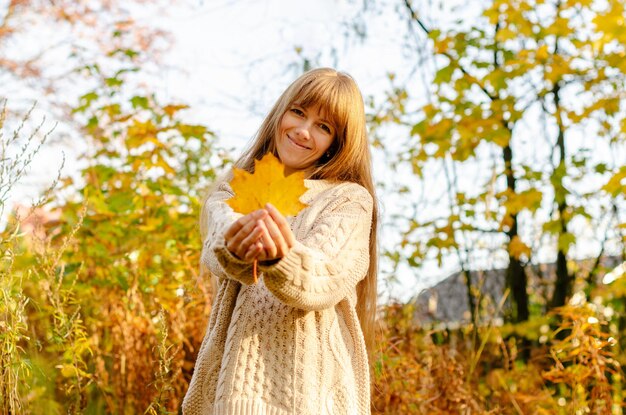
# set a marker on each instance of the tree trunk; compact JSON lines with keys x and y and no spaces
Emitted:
{"x":563,"y":284}
{"x":470,"y":297}
{"x":515,"y":276}
{"x":517,"y":281}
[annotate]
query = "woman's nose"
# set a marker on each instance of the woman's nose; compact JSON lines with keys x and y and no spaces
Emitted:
{"x":303,"y":131}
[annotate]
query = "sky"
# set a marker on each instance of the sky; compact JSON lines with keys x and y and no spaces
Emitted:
{"x":237,"y":57}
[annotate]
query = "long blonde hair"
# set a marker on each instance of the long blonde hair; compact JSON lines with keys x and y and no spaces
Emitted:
{"x":338,"y":96}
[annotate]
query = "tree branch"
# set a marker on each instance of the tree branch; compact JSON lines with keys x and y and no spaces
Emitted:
{"x":471,"y":77}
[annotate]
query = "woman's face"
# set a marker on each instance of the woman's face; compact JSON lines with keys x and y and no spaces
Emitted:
{"x":304,"y":135}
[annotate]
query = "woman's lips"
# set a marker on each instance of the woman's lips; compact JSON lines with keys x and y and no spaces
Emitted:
{"x":295,"y":143}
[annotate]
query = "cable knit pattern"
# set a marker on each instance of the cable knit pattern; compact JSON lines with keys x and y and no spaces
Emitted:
{"x":292,"y":343}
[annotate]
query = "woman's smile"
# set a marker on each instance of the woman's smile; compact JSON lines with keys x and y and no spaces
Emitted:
{"x":296,"y":144}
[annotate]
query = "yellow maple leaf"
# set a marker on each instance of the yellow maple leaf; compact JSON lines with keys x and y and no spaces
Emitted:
{"x":268,"y":184}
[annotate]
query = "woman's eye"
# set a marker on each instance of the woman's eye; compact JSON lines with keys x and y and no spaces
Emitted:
{"x":326,"y":128}
{"x":297,"y":111}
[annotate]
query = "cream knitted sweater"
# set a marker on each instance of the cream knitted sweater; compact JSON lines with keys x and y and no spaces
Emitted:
{"x":292,"y":343}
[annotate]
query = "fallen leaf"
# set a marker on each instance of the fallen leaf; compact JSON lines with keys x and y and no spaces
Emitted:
{"x":267,"y":184}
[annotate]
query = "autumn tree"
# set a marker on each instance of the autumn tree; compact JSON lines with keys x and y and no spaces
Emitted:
{"x":110,"y":290}
{"x":526,"y":117}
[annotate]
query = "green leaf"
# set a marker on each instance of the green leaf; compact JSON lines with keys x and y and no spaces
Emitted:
{"x":89,"y":97}
{"x":121,"y":202}
{"x":113,"y":82}
{"x":601,"y":168}
{"x":444,"y":75}
{"x":565,"y":241}
{"x":92,"y":123}
{"x":139,"y":102}
{"x":552,"y":226}
{"x":188,"y":131}
{"x":616,"y":184}
{"x":130,"y":53}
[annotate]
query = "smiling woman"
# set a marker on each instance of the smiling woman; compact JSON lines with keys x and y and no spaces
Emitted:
{"x":296,"y":341}
{"x":303,"y":138}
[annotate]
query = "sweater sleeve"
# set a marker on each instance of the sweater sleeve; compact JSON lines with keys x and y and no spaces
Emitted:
{"x":217,"y":258}
{"x":324,"y":266}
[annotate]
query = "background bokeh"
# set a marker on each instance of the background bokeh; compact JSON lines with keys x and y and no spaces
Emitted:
{"x":499,"y":138}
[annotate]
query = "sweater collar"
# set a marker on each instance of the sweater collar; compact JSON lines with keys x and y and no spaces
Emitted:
{"x":318,"y":184}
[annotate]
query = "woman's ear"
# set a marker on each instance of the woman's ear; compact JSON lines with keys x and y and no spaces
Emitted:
{"x":333,"y":149}
{"x":329,"y":154}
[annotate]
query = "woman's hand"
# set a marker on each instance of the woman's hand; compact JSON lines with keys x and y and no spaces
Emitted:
{"x":276,"y":237}
{"x":242,"y":238}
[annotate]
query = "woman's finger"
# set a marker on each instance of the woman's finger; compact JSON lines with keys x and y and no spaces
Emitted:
{"x":270,"y":246}
{"x":277,"y":238}
{"x":251,"y":239}
{"x":240,"y":230}
{"x":236,"y":227}
{"x":233,"y":243}
{"x":282,"y":224}
{"x":253,"y":252}
{"x":244,"y":221}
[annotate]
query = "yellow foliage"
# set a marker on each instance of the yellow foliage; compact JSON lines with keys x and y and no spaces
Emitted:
{"x":517,"y":248}
{"x":542,"y":53}
{"x":172,"y":109}
{"x":267,"y":184}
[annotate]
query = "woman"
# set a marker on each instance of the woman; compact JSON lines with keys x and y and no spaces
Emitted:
{"x":295,"y":342}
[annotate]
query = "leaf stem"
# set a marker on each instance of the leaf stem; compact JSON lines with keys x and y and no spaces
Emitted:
{"x":254,"y":271}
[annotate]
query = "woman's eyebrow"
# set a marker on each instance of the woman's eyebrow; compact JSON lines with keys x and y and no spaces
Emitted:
{"x":322,"y":117}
